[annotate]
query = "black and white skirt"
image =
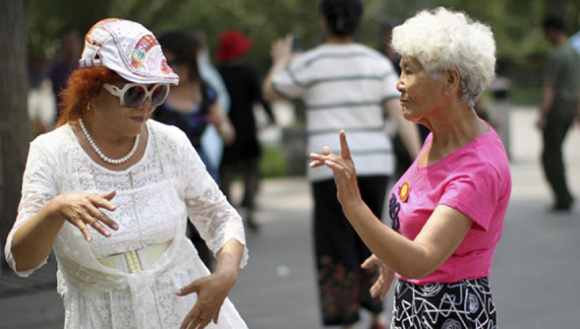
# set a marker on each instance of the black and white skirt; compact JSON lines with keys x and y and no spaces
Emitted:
{"x":466,"y":304}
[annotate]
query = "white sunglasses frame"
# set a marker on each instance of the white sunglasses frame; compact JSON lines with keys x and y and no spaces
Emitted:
{"x":120,"y":92}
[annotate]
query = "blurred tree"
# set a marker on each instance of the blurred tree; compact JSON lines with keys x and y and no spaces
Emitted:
{"x":46,"y":19}
{"x":516,"y":23}
{"x":517,"y":27}
{"x":555,"y":6}
{"x":14,"y":128}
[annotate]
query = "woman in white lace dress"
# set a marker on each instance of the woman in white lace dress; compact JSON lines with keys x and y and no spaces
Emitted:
{"x":110,"y":190}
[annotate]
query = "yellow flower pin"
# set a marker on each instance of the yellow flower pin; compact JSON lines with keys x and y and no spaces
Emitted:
{"x":404,"y":191}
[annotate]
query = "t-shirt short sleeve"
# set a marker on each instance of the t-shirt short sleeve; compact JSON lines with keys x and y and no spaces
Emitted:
{"x":292,"y":82}
{"x":475,"y":193}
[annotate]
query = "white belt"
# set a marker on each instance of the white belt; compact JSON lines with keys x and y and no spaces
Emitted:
{"x":135,"y":261}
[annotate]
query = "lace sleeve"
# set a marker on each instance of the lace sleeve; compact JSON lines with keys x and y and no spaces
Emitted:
{"x":38,"y":187}
{"x":216,"y":220}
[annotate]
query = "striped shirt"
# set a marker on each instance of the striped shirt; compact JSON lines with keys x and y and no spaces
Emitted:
{"x":344,"y":87}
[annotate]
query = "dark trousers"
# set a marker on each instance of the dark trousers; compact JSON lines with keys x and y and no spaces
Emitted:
{"x":554,"y":133}
{"x":249,"y":169}
{"x":342,"y":285}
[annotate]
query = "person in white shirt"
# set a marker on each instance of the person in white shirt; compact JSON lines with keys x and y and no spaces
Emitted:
{"x":345,"y":86}
{"x":109,"y":191}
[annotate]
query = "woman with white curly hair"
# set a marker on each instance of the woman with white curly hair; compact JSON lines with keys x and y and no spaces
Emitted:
{"x":447,"y":210}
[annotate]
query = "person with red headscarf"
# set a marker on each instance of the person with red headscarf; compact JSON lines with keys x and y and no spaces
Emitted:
{"x":243,"y":155}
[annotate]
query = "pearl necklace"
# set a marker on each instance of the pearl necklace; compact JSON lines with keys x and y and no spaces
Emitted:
{"x":100,"y":153}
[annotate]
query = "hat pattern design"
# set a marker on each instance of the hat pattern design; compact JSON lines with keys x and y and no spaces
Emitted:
{"x":140,"y":52}
{"x":129,"y":49}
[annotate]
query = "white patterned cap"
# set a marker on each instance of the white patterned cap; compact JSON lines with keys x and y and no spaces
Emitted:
{"x":129,"y":49}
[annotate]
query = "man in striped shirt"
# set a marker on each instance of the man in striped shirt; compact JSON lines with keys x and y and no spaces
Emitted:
{"x":344,"y":86}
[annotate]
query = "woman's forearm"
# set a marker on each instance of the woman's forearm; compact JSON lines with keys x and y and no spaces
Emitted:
{"x":229,"y":259}
{"x":547,"y":99}
{"x":226,"y":131}
{"x":268,"y":92}
{"x":220,"y":120}
{"x":397,"y":252}
{"x":434,"y":244}
{"x":33,"y":241}
{"x":282,"y":56}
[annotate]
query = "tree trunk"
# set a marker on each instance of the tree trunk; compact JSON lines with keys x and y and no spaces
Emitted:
{"x":14,"y":125}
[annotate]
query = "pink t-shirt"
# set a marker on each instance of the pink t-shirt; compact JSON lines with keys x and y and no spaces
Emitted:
{"x":475,"y":180}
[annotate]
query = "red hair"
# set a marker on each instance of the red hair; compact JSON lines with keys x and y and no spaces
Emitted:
{"x":83,"y":85}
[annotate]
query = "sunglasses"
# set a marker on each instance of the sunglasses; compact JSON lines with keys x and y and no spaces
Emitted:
{"x":134,"y":94}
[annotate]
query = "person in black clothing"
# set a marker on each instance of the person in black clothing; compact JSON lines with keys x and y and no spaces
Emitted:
{"x":559,"y":106}
{"x":243,"y":155}
{"x":191,"y":106}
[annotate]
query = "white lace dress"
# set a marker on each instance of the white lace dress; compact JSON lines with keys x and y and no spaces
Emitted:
{"x":154,"y":198}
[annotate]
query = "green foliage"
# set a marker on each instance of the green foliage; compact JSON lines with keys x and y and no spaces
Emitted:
{"x":45,"y":20}
{"x":516,"y":23}
{"x":272,"y":163}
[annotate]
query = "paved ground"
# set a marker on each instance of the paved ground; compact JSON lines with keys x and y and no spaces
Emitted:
{"x":534,"y":276}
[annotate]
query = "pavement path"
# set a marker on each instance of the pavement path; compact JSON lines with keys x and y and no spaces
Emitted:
{"x":534,"y":276}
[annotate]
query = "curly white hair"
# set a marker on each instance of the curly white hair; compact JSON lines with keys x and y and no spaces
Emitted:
{"x":442,"y":39}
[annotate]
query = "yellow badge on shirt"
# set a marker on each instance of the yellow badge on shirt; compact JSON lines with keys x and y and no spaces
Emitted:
{"x":404,"y":191}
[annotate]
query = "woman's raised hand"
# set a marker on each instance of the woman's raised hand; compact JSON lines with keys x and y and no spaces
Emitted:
{"x":282,"y":52}
{"x":343,"y":169}
{"x":83,"y":210}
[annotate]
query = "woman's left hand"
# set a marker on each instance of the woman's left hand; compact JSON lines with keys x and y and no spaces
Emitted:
{"x":344,"y":171}
{"x":386,"y":275}
{"x":211,"y":292}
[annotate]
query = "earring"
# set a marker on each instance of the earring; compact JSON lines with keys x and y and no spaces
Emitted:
{"x":88,"y":107}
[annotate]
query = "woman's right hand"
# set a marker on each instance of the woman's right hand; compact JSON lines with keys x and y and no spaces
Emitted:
{"x":344,"y":171}
{"x":281,"y":51}
{"x":82,"y":210}
{"x":386,"y":276}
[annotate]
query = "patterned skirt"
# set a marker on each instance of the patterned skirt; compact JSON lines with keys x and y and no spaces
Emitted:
{"x":466,"y":304}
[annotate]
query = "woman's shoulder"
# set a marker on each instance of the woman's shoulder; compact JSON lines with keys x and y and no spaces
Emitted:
{"x":491,"y":149}
{"x":171,"y":143}
{"x":164,"y":130}
{"x":483,"y":157}
{"x":54,"y":147}
{"x":166,"y":133}
{"x":57,"y":139}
